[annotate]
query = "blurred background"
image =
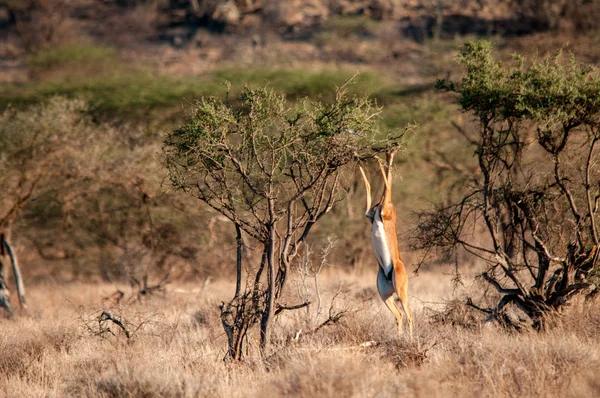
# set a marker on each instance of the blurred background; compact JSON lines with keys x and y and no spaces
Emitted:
{"x":88,"y":88}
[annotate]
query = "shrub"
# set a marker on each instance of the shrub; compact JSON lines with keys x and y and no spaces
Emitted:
{"x":537,"y":189}
{"x":274,"y":171}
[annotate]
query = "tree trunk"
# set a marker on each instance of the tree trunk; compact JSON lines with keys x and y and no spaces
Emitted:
{"x":228,"y":322}
{"x":245,"y":308}
{"x":238,"y":268}
{"x":265,"y":326}
{"x":4,"y":292}
{"x":16,"y":272}
{"x":230,"y":312}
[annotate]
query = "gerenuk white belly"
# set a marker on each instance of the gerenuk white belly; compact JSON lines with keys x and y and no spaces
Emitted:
{"x":380,"y":245}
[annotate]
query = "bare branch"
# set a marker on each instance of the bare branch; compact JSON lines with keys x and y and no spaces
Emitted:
{"x":588,"y":186}
{"x":470,"y":303}
{"x":240,"y":248}
{"x":497,"y":285}
{"x":569,"y":196}
{"x":281,"y":308}
{"x":107,"y":316}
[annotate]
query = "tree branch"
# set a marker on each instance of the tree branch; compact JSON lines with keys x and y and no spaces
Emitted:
{"x":497,"y":285}
{"x":281,"y":308}
{"x":107,"y":316}
{"x":588,"y":194}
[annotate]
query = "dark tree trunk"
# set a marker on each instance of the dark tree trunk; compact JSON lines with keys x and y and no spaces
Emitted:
{"x":4,"y":292}
{"x":17,"y":273}
{"x":265,"y":326}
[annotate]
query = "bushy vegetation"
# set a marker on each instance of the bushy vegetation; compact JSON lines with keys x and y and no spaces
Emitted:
{"x":536,"y":189}
{"x":116,"y":90}
{"x":65,"y":55}
{"x":274,"y":170}
{"x":88,"y":92}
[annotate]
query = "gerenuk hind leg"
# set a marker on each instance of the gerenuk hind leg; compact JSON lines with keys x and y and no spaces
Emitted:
{"x":386,"y":291}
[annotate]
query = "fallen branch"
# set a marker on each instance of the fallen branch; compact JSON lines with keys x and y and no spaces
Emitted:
{"x":144,"y":289}
{"x":471,"y":304}
{"x":281,"y":308}
{"x":107,"y":316}
{"x":366,"y":344}
{"x":334,"y":316}
{"x":330,"y":321}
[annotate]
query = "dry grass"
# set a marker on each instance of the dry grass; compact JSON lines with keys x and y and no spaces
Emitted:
{"x":177,"y":347}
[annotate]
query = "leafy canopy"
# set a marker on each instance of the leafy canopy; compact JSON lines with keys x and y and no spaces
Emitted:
{"x":536,"y":192}
{"x":240,"y":158}
{"x":550,"y":92}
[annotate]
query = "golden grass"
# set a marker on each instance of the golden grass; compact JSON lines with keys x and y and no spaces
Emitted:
{"x":178,"y":345}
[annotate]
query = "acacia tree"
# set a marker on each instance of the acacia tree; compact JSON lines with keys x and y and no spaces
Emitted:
{"x":80,"y":191}
{"x":39,"y":150}
{"x":274,"y":169}
{"x":537,"y":188}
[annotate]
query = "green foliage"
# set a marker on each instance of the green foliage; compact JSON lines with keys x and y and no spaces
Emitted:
{"x":113,"y":88}
{"x":118,"y":95}
{"x":236,"y":158}
{"x":90,"y":192}
{"x":297,"y":83}
{"x":39,"y":149}
{"x":274,"y":170}
{"x":537,"y":187}
{"x":71,"y":55}
{"x":350,"y":25}
{"x":346,"y":27}
{"x":550,"y":92}
{"x":30,"y":137}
